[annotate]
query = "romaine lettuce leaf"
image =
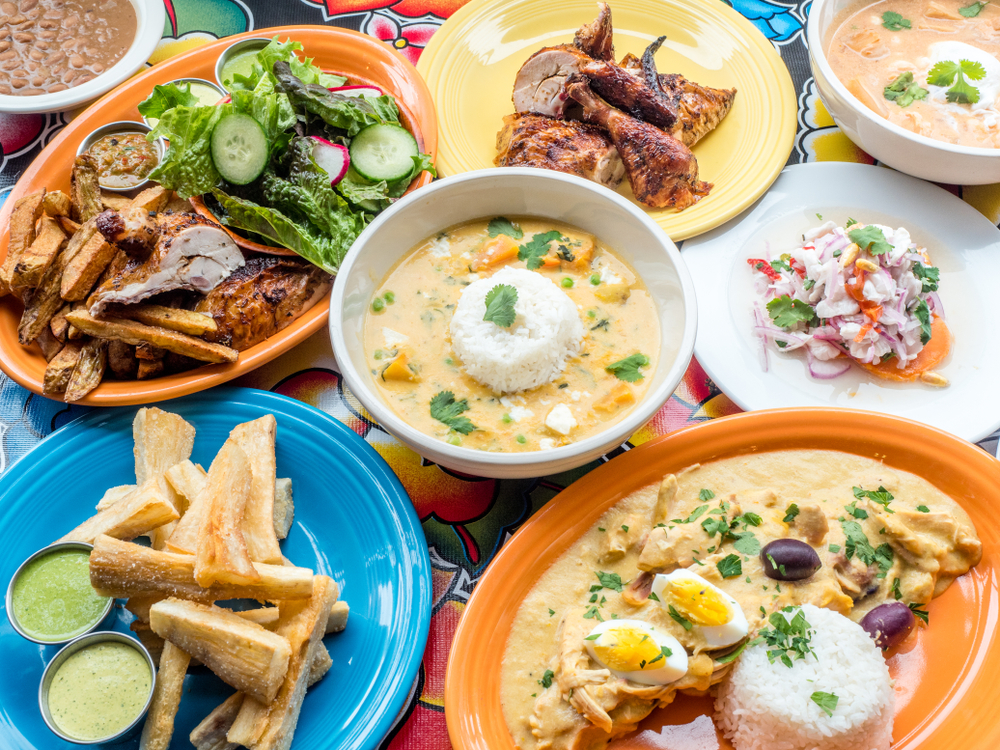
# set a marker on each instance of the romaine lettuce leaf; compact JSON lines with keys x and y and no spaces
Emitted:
{"x":285,"y":52}
{"x":349,"y":113}
{"x":166,"y":97}
{"x":187,"y":167}
{"x":272,"y":111}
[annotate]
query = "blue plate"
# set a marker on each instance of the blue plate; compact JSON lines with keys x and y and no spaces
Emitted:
{"x":353,"y":522}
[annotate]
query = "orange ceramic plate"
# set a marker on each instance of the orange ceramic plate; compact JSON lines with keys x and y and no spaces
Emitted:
{"x":340,"y":50}
{"x":946,"y":690}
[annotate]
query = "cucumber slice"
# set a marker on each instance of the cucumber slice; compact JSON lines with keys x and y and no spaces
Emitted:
{"x":239,"y":149}
{"x":383,"y":152}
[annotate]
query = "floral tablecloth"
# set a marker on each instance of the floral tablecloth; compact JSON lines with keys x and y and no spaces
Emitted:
{"x":465,"y":519}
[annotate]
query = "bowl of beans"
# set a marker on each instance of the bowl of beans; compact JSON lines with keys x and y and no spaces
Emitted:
{"x":59,"y":54}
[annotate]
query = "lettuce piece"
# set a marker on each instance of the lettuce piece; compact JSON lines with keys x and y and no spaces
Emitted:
{"x":421,"y":163}
{"x":187,"y":167}
{"x":164,"y":97}
{"x":369,"y":196}
{"x":348,"y":113}
{"x":285,"y":51}
{"x":272,"y":111}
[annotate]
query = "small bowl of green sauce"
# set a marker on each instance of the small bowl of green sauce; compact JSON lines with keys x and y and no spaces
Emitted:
{"x":50,"y":599}
{"x":238,"y":59}
{"x":207,"y":93}
{"x":98,"y":689}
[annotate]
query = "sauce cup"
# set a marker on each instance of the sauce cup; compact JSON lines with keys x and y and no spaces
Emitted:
{"x":122,"y":126}
{"x":12,"y":617}
{"x":195,"y":82}
{"x":126,"y":733}
{"x":244,"y":45}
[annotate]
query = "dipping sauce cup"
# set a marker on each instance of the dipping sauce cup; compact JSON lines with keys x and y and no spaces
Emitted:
{"x":238,"y":59}
{"x":97,"y":689}
{"x":207,"y":93}
{"x":49,"y":598}
{"x":117,"y":179}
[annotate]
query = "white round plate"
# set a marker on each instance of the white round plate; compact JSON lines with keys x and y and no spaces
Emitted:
{"x":960,"y":241}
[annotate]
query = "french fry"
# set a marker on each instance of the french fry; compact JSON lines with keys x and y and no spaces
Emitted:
{"x":60,"y":369}
{"x":122,"y":360}
{"x":142,"y":511}
{"x":42,"y":303}
{"x":72,"y":332}
{"x":257,"y":439}
{"x":178,"y":205}
{"x":210,"y":734}
{"x":85,"y":267}
{"x":162,"y":439}
{"x":38,"y":256}
{"x":114,"y":201}
{"x":135,"y":333}
{"x":284,"y":509}
{"x":266,"y":617}
{"x":159,"y":726}
{"x":56,"y":203}
{"x":49,"y":344}
{"x":338,"y":617}
{"x":26,"y":213}
{"x":149,"y":368}
{"x":123,"y":570}
{"x":148,"y":351}
{"x":172,"y":318}
{"x":242,"y":654}
{"x":59,"y":325}
{"x":221,"y":549}
{"x":270,"y":727}
{"x":88,"y":371}
{"x":85,"y":189}
{"x":151,"y":199}
{"x":115,"y":494}
{"x":69,"y":226}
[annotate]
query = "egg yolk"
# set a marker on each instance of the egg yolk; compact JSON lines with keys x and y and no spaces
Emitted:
{"x":698,"y":603}
{"x":628,"y":650}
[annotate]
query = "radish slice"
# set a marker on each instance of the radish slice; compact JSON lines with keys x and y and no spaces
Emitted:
{"x":331,"y":158}
{"x":357,"y":90}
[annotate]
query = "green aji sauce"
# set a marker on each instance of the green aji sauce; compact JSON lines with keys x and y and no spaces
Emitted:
{"x":206,"y":95}
{"x":53,"y":599}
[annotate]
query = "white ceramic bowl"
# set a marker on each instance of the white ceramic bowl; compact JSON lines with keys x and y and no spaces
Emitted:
{"x":149,"y":16}
{"x":891,"y":144}
{"x":514,"y":192}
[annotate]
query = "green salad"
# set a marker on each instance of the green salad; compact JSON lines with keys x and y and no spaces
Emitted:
{"x":296,"y":159}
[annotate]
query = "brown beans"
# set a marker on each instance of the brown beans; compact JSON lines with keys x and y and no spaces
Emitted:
{"x":24,"y":37}
{"x":4,"y":46}
{"x":8,"y":9}
{"x":18,"y":83}
{"x":27,"y":5}
{"x":5,"y":90}
{"x":76,"y":61}
{"x":96,"y":68}
{"x":48,"y":34}
{"x":49,"y":23}
{"x":57,"y":87}
{"x":71,"y":22}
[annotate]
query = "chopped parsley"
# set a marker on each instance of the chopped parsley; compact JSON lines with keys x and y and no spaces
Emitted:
{"x":546,"y":681}
{"x":628,"y":369}
{"x":950,"y":73}
{"x":923,"y":313}
{"x":870,"y":238}
{"x":858,"y":544}
{"x":593,"y":614}
{"x":532,"y":251}
{"x":787,"y":639}
{"x":500,"y":302}
{"x":895,"y":22}
{"x":786,"y":312}
{"x":895,"y":589}
{"x":921,"y":613}
{"x":748,"y":519}
{"x":625,"y":528}
{"x":611,"y":581}
{"x":929,"y":276}
{"x":603,"y":323}
{"x":564,"y":253}
{"x":855,"y":511}
{"x":923,"y":509}
{"x":834,"y":548}
{"x":653,"y":596}
{"x":904,"y":91}
{"x":747,"y":543}
{"x":826,"y":701}
{"x":882,"y":496}
{"x":732,"y":655}
{"x":971,"y":11}
{"x":790,"y":513}
{"x":705,"y":495}
{"x":677,"y":616}
{"x":551,"y":611}
{"x":695,"y":515}
{"x":775,"y":565}
{"x":503,"y":225}
{"x":730,"y":566}
{"x":445,"y":409}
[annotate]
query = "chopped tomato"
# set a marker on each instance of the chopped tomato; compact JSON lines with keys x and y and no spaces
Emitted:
{"x":857,"y":289}
{"x":872,"y":310}
{"x":759,"y":264}
{"x":798,"y":268}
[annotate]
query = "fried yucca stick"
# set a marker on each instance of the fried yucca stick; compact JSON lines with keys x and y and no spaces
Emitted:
{"x":183,"y":321}
{"x":141,"y":512}
{"x":139,"y":604}
{"x":115,"y":494}
{"x":266,"y":617}
{"x":222,"y":551}
{"x":149,"y":639}
{"x":159,"y":726}
{"x":271,"y":727}
{"x":210,"y":734}
{"x":284,"y":508}
{"x":162,"y":440}
{"x":189,"y":480}
{"x":338,"y":617}
{"x":123,"y":570}
{"x":241,"y":653}
{"x":257,"y":439}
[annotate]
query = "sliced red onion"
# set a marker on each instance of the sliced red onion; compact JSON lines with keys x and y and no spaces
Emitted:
{"x":790,"y":340}
{"x":758,"y":316}
{"x":827,"y":369}
{"x":935,"y":302}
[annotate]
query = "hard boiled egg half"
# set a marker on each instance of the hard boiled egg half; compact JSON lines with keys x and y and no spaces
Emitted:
{"x":710,"y":610}
{"x":637,"y":651}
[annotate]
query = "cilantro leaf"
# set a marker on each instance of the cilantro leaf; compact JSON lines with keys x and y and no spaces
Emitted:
{"x":947,"y":71}
{"x":790,"y":513}
{"x":445,"y":409}
{"x":500,"y":301}
{"x":786,"y":312}
{"x":735,"y":654}
{"x":895,"y":589}
{"x":826,"y":701}
{"x":923,"y":509}
{"x":503,"y":225}
{"x":870,"y":238}
{"x":923,"y":313}
{"x":546,"y":681}
{"x":730,"y":566}
{"x":628,"y":369}
{"x":971,"y":11}
{"x":695,"y":514}
{"x":895,"y":22}
{"x":855,"y":511}
{"x":882,"y":496}
{"x":679,"y":618}
{"x":532,"y":251}
{"x":611,"y":581}
{"x":929,"y":276}
{"x":921,"y":613}
{"x":904,"y":91}
{"x":747,"y":543}
{"x":786,"y":636}
{"x":704,"y":495}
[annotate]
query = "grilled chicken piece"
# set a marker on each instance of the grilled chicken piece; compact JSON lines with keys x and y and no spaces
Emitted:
{"x":662,"y":170}
{"x":630,"y":94}
{"x":540,"y":85}
{"x":595,"y":38}
{"x":260,"y":299}
{"x":133,"y":230}
{"x":190,"y":252}
{"x":528,"y":140}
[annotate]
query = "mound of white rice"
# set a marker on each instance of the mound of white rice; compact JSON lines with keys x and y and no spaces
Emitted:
{"x":546,"y":332}
{"x":764,"y":706}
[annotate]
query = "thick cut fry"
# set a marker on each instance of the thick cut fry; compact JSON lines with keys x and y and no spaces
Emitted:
{"x":141,"y":512}
{"x":42,"y":303}
{"x":72,"y":332}
{"x":178,"y":205}
{"x":26,"y":213}
{"x":56,"y":203}
{"x":59,"y":325}
{"x":266,"y":617}
{"x":49,"y":344}
{"x":88,"y":371}
{"x":173,"y":318}
{"x":139,"y":605}
{"x":114,"y":201}
{"x":257,"y":439}
{"x":38,"y":256}
{"x":60,"y":369}
{"x":135,"y":333}
{"x":338,"y":617}
{"x":284,"y":508}
{"x":115,"y":494}
{"x":162,"y":439}
{"x":122,"y":570}
{"x":151,"y":199}
{"x":271,"y":727}
{"x":85,"y":189}
{"x":85,"y":267}
{"x":222,"y":550}
{"x":148,"y":351}
{"x":210,"y":734}
{"x":69,"y":226}
{"x":150,"y":368}
{"x":241,"y":653}
{"x":122,"y":360}
{"x":159,"y":726}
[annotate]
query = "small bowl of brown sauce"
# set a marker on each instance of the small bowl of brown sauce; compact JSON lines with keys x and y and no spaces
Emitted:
{"x":122,"y":155}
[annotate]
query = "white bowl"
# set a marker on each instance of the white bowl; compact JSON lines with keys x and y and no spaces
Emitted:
{"x":514,"y":192}
{"x":149,"y":16}
{"x":891,"y":144}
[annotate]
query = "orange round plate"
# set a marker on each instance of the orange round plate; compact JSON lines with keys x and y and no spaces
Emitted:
{"x":946,"y":690}
{"x":348,"y":52}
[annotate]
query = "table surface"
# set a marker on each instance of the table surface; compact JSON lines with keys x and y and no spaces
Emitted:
{"x":465,"y":519}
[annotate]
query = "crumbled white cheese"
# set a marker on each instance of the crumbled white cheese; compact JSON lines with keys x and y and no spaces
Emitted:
{"x":607,"y":275}
{"x":393,"y":338}
{"x":575,"y":395}
{"x":560,"y":419}
{"x":546,"y":444}
{"x":441,"y":247}
{"x":517,"y":413}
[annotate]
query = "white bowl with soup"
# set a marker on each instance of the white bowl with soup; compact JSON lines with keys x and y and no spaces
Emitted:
{"x":59,"y":54}
{"x":583,"y":334}
{"x":891,"y":73}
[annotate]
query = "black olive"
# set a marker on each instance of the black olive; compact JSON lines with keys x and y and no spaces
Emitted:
{"x":789,"y":560}
{"x":889,"y":624}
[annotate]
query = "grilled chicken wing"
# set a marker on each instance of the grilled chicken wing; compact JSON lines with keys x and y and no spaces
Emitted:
{"x":188,"y":252}
{"x":563,"y":145}
{"x":662,"y":170}
{"x":261,"y":298}
{"x":595,"y":38}
{"x":631,"y":94}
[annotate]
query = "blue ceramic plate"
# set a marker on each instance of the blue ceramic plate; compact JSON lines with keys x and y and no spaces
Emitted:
{"x":353,"y":522}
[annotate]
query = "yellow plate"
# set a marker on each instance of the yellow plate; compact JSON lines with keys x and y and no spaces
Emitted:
{"x":471,"y":62}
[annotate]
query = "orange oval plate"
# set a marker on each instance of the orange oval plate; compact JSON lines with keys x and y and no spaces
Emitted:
{"x":340,"y":50}
{"x":945,"y":681}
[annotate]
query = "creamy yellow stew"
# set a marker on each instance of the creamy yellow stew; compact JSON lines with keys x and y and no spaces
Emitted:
{"x":929,"y":66}
{"x":411,"y":359}
{"x":708,"y":521}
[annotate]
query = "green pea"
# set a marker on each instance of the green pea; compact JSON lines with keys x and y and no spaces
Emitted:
{"x":378,"y":305}
{"x":390,"y":297}
{"x":522,"y":439}
{"x":506,"y":419}
{"x":567,"y":283}
{"x":378,"y":354}
{"x":595,"y":278}
{"x":454,"y":440}
{"x":591,"y":314}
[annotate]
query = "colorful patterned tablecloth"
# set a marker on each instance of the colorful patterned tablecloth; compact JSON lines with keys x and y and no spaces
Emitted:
{"x":465,"y":519}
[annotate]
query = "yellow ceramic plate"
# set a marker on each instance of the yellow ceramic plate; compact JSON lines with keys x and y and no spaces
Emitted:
{"x":471,"y":62}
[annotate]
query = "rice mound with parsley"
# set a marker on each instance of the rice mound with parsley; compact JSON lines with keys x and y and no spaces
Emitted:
{"x":546,"y":332}
{"x":765,"y":705}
